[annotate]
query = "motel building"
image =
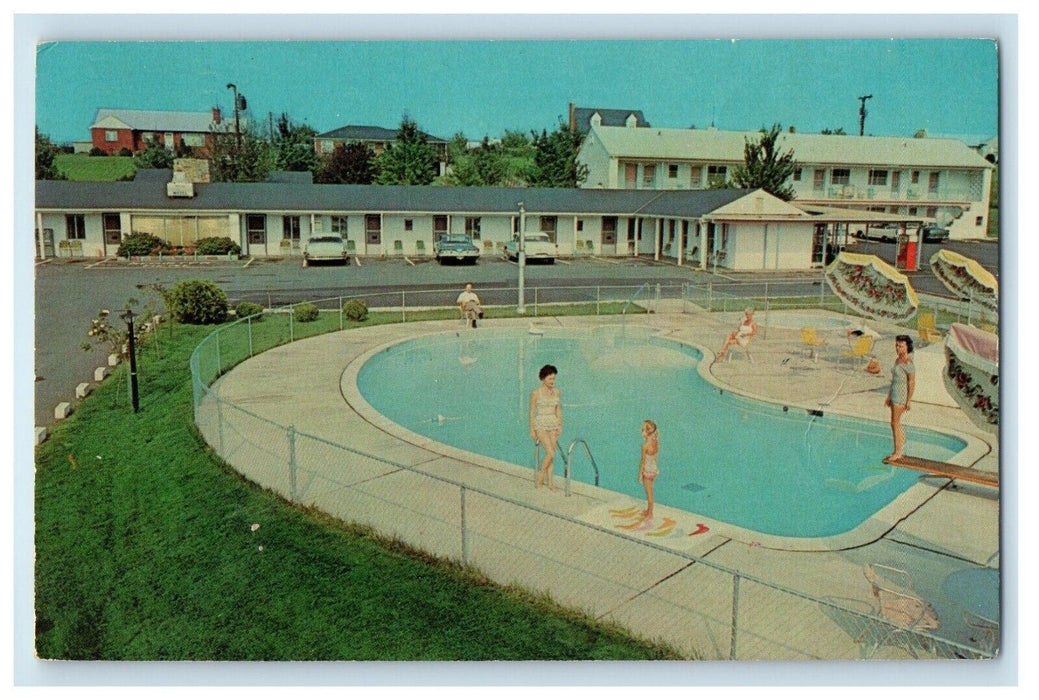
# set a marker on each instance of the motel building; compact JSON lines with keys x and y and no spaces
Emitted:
{"x":722,"y":228}
{"x":938,"y":180}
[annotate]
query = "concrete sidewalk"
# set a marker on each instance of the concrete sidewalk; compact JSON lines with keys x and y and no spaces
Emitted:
{"x":581,"y":550}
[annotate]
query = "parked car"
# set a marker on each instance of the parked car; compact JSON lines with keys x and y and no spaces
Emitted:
{"x":933,"y":233}
{"x":456,"y":247}
{"x":330,"y":248}
{"x":537,"y":246}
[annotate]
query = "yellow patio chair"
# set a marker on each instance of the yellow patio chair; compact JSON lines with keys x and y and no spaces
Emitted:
{"x":811,"y":342}
{"x":398,"y":247}
{"x":861,"y":349}
{"x":925,"y":324}
{"x":899,"y":605}
{"x":420,"y":247}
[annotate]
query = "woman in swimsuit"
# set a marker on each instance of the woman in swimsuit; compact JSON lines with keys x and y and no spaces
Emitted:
{"x":648,"y":469}
{"x":903,"y":382}
{"x":546,"y":421}
{"x":741,"y":336}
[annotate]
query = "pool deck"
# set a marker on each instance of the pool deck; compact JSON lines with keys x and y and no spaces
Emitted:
{"x":940,"y":527}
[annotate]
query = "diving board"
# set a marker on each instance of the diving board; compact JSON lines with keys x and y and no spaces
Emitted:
{"x":945,"y":469}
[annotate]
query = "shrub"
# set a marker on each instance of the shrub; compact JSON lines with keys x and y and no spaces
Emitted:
{"x":217,"y":246}
{"x":248,"y":308}
{"x":95,"y":151}
{"x":125,"y":152}
{"x":305,"y":312}
{"x":355,"y":310}
{"x":198,"y":302}
{"x":138,"y":243}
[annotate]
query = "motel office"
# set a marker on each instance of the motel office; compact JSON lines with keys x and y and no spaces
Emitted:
{"x":734,"y":229}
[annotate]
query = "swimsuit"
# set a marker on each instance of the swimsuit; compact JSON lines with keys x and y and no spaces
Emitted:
{"x":649,"y":467}
{"x":743,"y":334}
{"x":900,"y":383}
{"x":545,"y":418}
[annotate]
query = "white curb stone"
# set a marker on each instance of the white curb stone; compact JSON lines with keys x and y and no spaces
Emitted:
{"x":82,"y":390}
{"x":62,"y":410}
{"x":113,"y":360}
{"x":100,"y":373}
{"x":41,"y":434}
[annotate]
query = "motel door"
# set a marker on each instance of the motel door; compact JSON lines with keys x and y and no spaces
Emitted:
{"x":608,"y":242}
{"x":113,"y":233}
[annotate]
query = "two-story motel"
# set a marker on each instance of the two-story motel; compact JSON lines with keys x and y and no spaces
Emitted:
{"x":927,"y":179}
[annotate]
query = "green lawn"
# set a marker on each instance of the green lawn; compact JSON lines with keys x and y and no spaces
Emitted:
{"x":145,"y":551}
{"x":83,"y":168}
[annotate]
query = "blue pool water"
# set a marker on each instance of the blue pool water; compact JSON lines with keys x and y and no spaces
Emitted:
{"x":729,"y":458}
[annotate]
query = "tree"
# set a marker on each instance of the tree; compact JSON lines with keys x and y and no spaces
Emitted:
{"x":294,"y":146}
{"x":483,"y":166}
{"x":555,"y":158}
{"x":410,"y":160}
{"x":349,"y":164}
{"x":155,"y":156}
{"x":250,"y":163}
{"x":765,"y":167}
{"x":45,"y":154}
{"x":839,"y":131}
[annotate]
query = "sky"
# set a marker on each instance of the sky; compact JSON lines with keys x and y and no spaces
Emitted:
{"x":946,"y":86}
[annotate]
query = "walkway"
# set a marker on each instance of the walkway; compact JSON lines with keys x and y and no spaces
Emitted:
{"x":941,"y":531}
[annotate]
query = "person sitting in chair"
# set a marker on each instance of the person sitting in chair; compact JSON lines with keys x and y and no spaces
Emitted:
{"x":469,"y":306}
{"x":741,"y":336}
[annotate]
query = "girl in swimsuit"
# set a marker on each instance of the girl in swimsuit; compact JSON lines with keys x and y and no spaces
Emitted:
{"x":741,"y":336}
{"x":903,"y":382}
{"x":546,"y":421}
{"x":648,"y":469}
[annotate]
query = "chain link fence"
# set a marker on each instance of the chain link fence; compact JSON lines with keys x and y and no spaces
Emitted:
{"x":705,"y":609}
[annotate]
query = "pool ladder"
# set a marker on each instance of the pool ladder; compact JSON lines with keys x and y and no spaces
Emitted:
{"x":569,"y":455}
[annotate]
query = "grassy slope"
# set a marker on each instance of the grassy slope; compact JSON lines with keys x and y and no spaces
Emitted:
{"x":145,"y":551}
{"x":83,"y":168}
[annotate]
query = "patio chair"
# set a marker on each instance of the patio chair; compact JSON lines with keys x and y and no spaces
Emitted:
{"x":925,"y":324}
{"x":420,"y":247}
{"x":398,"y":247}
{"x":861,"y":349}
{"x":351,"y":247}
{"x":811,"y":342}
{"x":906,"y":614}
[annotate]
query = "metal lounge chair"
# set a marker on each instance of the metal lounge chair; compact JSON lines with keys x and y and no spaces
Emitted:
{"x":983,"y":631}
{"x":906,"y":614}
{"x":811,"y":342}
{"x":925,"y":325}
{"x":861,"y":349}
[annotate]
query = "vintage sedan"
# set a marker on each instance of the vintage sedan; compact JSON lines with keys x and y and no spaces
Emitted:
{"x":325,"y":248}
{"x":456,"y":247}
{"x":537,"y":246}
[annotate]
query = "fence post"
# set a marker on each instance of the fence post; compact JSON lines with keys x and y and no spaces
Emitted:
{"x":340,"y":313}
{"x":219,"y":424}
{"x":764,"y":332}
{"x":292,"y":462}
{"x":597,"y":289}
{"x":219,"y":364}
{"x":710,"y":295}
{"x":535,"y":301}
{"x":403,"y":313}
{"x":292,"y":314}
{"x":465,"y":532}
{"x":249,"y":323}
{"x":735,"y":614}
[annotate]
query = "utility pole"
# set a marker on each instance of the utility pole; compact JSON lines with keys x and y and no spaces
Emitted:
{"x":239,"y":102}
{"x":862,"y":113}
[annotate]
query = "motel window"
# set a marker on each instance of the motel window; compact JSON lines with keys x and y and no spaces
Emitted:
{"x":316,"y":223}
{"x":912,"y":211}
{"x":649,"y":174}
{"x":932,"y":212}
{"x":193,"y":140}
{"x":840,"y":176}
{"x":339,"y":226}
{"x":932,"y":183}
{"x":327,"y":146}
{"x":290,"y":228}
{"x":915,"y":177}
{"x":440,"y":226}
{"x":111,"y":135}
{"x":472,"y":227}
{"x":515,"y":225}
{"x":409,"y":224}
{"x":373,"y":229}
{"x":580,"y":224}
{"x":896,"y":180}
{"x":695,"y":177}
{"x":256,"y":228}
{"x":979,"y":220}
{"x":75,"y":227}
{"x":877,"y":178}
{"x":797,"y":174}
{"x":672,"y":171}
{"x":716,"y":175}
{"x":548,"y":225}
{"x":819,"y":180}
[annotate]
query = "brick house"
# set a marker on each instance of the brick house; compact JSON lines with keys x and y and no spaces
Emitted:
{"x":375,"y":137}
{"x":116,"y":129}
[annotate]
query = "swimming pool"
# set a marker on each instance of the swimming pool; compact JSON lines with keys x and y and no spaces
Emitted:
{"x":732,"y":459}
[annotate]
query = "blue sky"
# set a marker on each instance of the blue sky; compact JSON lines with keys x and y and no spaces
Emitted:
{"x":947,"y":86}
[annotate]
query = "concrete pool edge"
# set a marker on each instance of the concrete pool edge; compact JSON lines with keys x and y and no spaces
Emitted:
{"x":870,"y":530}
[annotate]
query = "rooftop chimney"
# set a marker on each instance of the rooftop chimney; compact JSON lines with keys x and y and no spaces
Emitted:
{"x":216,"y":115}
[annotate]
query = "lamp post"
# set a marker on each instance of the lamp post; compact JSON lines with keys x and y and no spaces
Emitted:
{"x":128,"y":317}
{"x":521,"y":257}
